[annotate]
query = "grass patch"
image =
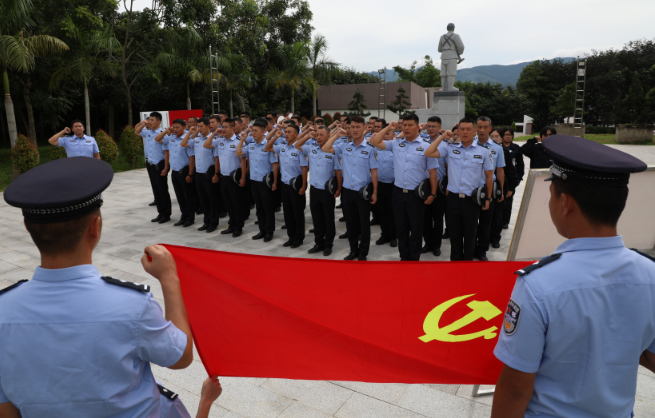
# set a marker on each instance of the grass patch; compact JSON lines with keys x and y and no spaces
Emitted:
{"x":600,"y":138}
{"x":45,"y":152}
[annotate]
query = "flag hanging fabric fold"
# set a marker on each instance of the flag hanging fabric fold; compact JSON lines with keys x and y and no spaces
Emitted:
{"x":374,"y":321}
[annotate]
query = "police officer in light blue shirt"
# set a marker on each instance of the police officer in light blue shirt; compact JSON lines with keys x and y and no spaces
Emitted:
{"x":263,"y":169}
{"x":159,"y":166}
{"x":143,"y":130}
{"x":467,"y":161}
{"x":78,"y":144}
{"x":385,"y":189}
{"x":411,"y":167}
{"x":580,"y":321}
{"x":75,"y":343}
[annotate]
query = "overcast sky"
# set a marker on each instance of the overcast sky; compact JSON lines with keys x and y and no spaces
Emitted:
{"x":368,"y":35}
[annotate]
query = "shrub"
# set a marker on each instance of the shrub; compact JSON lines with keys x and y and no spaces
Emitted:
{"x":337,"y":116}
{"x":328,"y":119}
{"x":600,"y":129}
{"x":132,"y":146}
{"x":107,"y":146}
{"x":57,"y":152}
{"x":24,"y":155}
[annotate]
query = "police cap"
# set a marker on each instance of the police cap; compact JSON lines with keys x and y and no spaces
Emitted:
{"x":60,"y":190}
{"x":366,"y":192}
{"x":581,"y":161}
{"x":236,"y":175}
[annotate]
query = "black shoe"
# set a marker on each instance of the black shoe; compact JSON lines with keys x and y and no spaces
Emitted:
{"x":375,"y":222}
{"x":361,"y":258}
{"x":203,"y":227}
{"x":295,"y":245}
{"x":256,"y":222}
{"x":311,"y":231}
{"x":229,"y":230}
{"x":351,"y":256}
{"x":154,"y":203}
{"x":259,"y":236}
{"x":481,"y":257}
{"x":222,"y":214}
{"x":268,"y":237}
{"x":237,"y":233}
{"x":339,"y":206}
{"x":342,"y":219}
{"x":506,"y":226}
{"x":211,"y":228}
{"x":315,"y":249}
{"x":164,"y":220}
{"x":188,"y":224}
{"x":277,"y":209}
{"x":445,"y":235}
{"x":199,"y":212}
{"x":381,"y":241}
{"x":327,"y":251}
{"x":344,"y":236}
{"x":180,"y":222}
{"x":495,"y":245}
{"x":156,"y":219}
{"x":394,"y":243}
{"x":436,"y":252}
{"x":287,"y":244}
{"x":252,"y":206}
{"x":426,"y":249}
{"x":284,"y":227}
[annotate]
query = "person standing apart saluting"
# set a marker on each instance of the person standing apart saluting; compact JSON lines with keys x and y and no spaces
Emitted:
{"x":78,"y":144}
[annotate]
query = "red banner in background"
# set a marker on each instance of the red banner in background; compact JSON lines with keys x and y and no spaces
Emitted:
{"x":294,"y":318}
{"x":183,"y":114}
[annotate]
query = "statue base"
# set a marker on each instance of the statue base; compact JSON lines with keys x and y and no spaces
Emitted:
{"x":448,"y":105}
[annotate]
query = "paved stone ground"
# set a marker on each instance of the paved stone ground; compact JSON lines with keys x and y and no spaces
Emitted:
{"x":127,"y":230}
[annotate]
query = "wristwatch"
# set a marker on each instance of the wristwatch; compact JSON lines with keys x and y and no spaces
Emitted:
{"x":434,"y":195}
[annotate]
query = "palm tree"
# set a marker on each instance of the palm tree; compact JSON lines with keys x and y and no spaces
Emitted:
{"x":237,"y":75}
{"x":296,"y":71}
{"x":322,"y":66}
{"x":87,"y":61}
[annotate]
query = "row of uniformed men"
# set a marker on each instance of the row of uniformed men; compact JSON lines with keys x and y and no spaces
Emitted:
{"x":219,"y":155}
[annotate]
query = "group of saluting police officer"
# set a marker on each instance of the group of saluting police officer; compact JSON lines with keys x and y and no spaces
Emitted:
{"x":408,"y":179}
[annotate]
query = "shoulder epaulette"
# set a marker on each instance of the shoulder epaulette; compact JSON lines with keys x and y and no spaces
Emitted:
{"x":484,"y":145}
{"x":167,"y":393}
{"x":651,"y":258}
{"x":13,"y":286}
{"x":539,"y":264}
{"x":123,"y":283}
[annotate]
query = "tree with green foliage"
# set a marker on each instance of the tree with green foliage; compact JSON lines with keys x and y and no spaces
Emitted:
{"x":322,"y":66}
{"x":426,"y":76}
{"x":358,"y":105}
{"x":346,"y":75}
{"x":237,"y":76}
{"x":295,"y":71}
{"x":634,"y":104}
{"x":400,"y":105}
{"x":564,"y":106}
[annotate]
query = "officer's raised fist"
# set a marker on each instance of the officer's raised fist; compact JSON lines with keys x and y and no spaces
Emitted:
{"x":393,"y":124}
{"x":67,"y":130}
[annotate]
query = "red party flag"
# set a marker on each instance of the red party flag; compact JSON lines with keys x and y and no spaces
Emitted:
{"x":374,"y":321}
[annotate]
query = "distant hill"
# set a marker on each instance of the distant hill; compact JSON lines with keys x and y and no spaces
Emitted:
{"x":503,"y":74}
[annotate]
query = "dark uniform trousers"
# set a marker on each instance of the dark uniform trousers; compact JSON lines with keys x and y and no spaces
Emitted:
{"x":265,"y":211}
{"x":208,"y":198}
{"x":186,"y":196}
{"x":507,"y":209}
{"x":277,"y":195}
{"x":234,"y":198}
{"x":484,"y":229}
{"x":162,"y":197}
{"x":385,"y":210}
{"x":357,"y":212}
{"x":408,"y":211}
{"x":497,"y":221}
{"x":433,"y":221}
{"x":248,"y":198}
{"x":462,"y":222}
{"x":150,"y":169}
{"x":293,"y":206}
{"x":321,"y":206}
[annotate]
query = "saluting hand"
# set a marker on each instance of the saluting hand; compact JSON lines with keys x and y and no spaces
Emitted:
{"x":447,"y":134}
{"x":422,"y":126}
{"x":159,"y":263}
{"x":393,"y":124}
{"x":66,"y":130}
{"x":193,"y":129}
{"x":169,"y":130}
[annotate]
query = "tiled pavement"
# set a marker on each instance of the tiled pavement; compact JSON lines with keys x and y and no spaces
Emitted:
{"x":127,"y":230}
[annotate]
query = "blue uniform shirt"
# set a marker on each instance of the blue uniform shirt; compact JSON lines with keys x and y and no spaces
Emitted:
{"x":260,"y":160}
{"x":356,"y":163}
{"x":178,"y":155}
{"x":321,"y":165}
{"x":443,"y":160}
{"x":385,"y":165}
{"x":409,"y":161}
{"x":79,"y":147}
{"x":580,"y":323}
{"x":155,"y":149}
{"x":204,"y":156}
{"x":291,"y":161}
{"x":145,"y":134}
{"x":225,"y":149}
{"x":498,"y":157}
{"x":465,"y":166}
{"x":76,"y":346}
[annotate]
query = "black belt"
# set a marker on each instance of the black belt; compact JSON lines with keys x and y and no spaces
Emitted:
{"x":460,"y":195}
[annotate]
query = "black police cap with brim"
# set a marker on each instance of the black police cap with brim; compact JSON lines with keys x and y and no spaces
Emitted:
{"x":443,"y":184}
{"x":331,"y":185}
{"x":423,"y":190}
{"x":236,"y":175}
{"x":296,"y":183}
{"x":60,"y":190}
{"x":366,"y":192}
{"x":581,"y":161}
{"x":268,"y":180}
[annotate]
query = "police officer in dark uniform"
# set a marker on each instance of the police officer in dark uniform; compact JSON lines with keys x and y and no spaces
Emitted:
{"x":535,"y":151}
{"x":515,"y":157}
{"x":511,"y":181}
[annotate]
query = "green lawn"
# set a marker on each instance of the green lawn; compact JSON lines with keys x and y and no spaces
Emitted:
{"x":600,"y":138}
{"x":5,"y":163}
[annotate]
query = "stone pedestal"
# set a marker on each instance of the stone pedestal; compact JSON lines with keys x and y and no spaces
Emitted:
{"x":448,"y":105}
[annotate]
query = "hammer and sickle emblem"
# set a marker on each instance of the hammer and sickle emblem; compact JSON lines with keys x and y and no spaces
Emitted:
{"x":481,"y":309}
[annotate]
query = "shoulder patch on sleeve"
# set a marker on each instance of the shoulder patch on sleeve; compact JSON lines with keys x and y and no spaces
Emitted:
{"x":538,"y":264}
{"x":13,"y":286}
{"x":512,"y":316}
{"x":136,"y":286}
{"x":633,"y":249}
{"x":167,"y":392}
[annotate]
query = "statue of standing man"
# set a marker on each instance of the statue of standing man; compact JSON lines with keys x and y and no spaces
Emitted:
{"x":451,"y":48}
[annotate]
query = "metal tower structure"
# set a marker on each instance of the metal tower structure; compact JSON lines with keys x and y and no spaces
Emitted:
{"x":214,"y":74}
{"x":578,"y":109}
{"x":382,"y":89}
